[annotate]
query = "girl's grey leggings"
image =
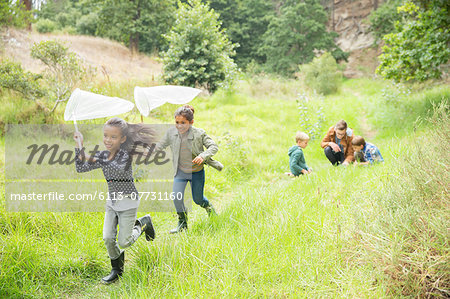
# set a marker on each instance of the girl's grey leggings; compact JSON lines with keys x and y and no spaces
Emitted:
{"x":128,"y":232}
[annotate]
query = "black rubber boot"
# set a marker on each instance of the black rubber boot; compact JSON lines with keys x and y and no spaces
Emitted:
{"x":210,"y":210}
{"x":182,"y":223}
{"x":117,"y":269}
{"x":146,"y":226}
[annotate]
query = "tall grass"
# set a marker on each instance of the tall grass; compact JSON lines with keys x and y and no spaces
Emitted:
{"x":401,"y":227}
{"x":340,"y":232}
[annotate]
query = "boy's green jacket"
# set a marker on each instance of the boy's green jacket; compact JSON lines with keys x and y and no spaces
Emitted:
{"x":296,"y":160}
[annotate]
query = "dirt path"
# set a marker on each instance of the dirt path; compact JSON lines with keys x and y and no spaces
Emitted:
{"x":367,"y":131}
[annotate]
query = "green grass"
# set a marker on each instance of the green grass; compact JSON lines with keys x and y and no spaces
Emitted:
{"x":341,"y":232}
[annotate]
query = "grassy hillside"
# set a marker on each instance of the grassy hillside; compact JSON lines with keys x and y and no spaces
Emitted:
{"x":357,"y":232}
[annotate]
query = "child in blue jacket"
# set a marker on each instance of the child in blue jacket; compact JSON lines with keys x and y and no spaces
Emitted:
{"x":297,"y":162}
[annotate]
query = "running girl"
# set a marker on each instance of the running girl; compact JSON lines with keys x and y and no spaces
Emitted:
{"x":119,"y":139}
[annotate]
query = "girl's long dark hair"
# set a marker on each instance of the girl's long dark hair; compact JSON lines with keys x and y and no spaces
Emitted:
{"x":139,"y":136}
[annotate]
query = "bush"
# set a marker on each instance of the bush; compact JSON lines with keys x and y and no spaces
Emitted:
{"x":322,"y":74}
{"x":87,"y":24}
{"x":13,"y":77}
{"x":64,"y":69}
{"x":45,"y":26}
{"x":67,"y":18}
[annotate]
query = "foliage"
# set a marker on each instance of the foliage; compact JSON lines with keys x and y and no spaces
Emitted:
{"x":199,"y":52}
{"x":139,"y":24}
{"x":64,"y":69}
{"x":311,"y":115}
{"x":87,"y":24}
{"x":13,"y":13}
{"x":322,"y":74}
{"x":245,"y":22}
{"x":420,"y":46}
{"x":45,"y":26}
{"x":382,"y":21}
{"x":293,"y":37}
{"x":13,"y":77}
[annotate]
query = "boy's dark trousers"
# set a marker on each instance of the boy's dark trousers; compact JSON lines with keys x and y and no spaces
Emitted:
{"x":335,"y":158}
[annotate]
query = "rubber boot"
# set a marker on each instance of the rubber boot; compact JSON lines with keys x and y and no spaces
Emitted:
{"x":146,"y":226}
{"x":117,"y":269}
{"x":210,"y":210}
{"x":182,"y":223}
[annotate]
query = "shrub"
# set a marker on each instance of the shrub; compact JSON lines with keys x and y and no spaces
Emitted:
{"x":45,"y":26}
{"x":87,"y":24}
{"x":13,"y":77}
{"x":68,"y":18}
{"x":64,"y":69}
{"x":322,"y":74}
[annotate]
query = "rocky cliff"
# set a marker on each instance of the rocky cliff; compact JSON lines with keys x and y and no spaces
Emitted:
{"x":349,"y":19}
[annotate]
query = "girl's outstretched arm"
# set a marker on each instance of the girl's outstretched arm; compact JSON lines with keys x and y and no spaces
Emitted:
{"x":86,"y":164}
{"x":165,"y":142}
{"x":83,"y":162}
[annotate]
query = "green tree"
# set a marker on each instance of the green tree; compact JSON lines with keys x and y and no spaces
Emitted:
{"x":138,"y":23}
{"x":66,"y":14}
{"x":295,"y":34}
{"x":14,"y":13}
{"x":382,"y":21}
{"x":245,"y":22}
{"x":199,"y":51}
{"x":421,"y":44}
